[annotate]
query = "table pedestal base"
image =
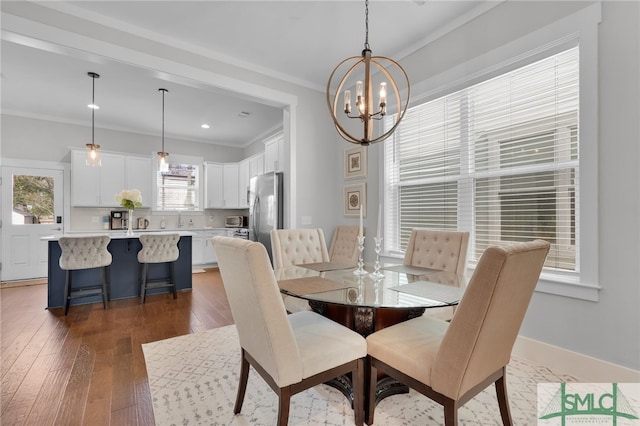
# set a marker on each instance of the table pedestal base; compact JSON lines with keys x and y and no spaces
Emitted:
{"x":366,"y":321}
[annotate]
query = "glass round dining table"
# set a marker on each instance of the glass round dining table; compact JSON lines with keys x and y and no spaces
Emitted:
{"x":367,"y":304}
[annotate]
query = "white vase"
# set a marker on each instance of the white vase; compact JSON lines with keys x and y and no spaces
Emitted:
{"x":130,"y":223}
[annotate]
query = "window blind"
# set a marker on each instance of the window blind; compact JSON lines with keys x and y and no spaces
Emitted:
{"x":499,"y":159}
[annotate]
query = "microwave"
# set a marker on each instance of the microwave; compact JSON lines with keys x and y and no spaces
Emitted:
{"x":235,"y":221}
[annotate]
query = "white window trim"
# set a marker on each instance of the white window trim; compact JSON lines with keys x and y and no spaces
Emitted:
{"x":553,"y":38}
{"x":183,"y":159}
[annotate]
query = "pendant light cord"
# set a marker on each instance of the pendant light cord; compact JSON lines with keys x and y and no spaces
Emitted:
{"x":163,"y":120}
{"x":93,"y":110}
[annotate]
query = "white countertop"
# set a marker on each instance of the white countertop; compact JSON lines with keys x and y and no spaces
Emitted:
{"x":120,"y":234}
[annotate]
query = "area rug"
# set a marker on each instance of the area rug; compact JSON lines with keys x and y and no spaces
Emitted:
{"x":193,"y":381}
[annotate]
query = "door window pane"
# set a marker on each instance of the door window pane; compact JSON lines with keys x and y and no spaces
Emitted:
{"x":32,"y":200}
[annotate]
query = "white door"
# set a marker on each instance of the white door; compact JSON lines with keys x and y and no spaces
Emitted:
{"x":32,"y":207}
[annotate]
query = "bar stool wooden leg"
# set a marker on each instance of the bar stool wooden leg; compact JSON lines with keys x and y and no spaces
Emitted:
{"x":67,"y":292}
{"x":143,"y":281}
{"x":172,"y":267}
{"x":105,"y":287}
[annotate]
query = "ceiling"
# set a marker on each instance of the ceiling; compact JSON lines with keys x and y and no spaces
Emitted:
{"x":296,"y":41}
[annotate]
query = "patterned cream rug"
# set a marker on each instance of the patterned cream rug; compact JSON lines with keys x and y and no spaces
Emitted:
{"x":194,"y":378}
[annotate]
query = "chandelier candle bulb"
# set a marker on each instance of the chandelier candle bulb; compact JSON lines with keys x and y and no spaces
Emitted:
{"x":347,"y":101}
{"x":360,"y":233}
{"x":383,"y":94}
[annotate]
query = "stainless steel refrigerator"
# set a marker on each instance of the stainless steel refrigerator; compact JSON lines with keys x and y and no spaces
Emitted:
{"x":265,"y":207}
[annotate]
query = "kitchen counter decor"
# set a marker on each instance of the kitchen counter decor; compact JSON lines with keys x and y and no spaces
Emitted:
{"x":129,"y":199}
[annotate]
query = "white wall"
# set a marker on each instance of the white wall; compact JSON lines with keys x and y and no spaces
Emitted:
{"x":610,"y":328}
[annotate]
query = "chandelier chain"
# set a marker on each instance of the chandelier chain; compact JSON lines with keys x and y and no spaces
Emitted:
{"x":366,"y":25}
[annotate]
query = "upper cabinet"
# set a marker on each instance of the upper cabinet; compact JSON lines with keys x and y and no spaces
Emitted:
{"x":96,"y":186}
{"x":274,"y":154}
{"x":214,"y":197}
{"x":256,"y":165}
{"x":230,"y":185}
{"x":243,"y":183}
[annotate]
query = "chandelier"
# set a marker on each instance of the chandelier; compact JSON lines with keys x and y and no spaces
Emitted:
{"x":93,"y":149}
{"x":162,"y":155}
{"x":378,"y":71}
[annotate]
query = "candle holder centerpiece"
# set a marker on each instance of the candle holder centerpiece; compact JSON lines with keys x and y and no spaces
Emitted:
{"x":360,"y":270}
{"x":376,"y":266}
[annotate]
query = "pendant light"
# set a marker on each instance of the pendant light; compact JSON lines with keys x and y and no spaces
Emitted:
{"x":162,"y":155}
{"x":389,"y":72}
{"x":93,"y":150}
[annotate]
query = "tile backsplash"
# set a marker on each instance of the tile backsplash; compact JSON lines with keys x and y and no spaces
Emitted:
{"x":94,"y":219}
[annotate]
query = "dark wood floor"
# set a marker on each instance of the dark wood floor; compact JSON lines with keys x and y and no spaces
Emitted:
{"x":88,"y":368}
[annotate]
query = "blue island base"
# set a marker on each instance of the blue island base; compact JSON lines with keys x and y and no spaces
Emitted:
{"x":123,"y":273}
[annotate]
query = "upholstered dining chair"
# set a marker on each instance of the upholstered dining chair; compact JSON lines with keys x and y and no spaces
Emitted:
{"x":436,"y":249}
{"x":344,"y":245}
{"x":293,"y":352}
{"x":450,"y":363}
{"x":297,"y":247}
{"x":85,"y":252}
{"x":444,"y":252}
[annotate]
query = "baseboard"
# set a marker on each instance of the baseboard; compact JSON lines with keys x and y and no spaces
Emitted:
{"x":584,"y":368}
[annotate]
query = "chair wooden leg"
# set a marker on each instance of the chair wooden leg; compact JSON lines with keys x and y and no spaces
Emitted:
{"x":242,"y":385}
{"x":67,"y":291}
{"x":371,"y":403}
{"x":283,"y":407}
{"x":143,"y":281}
{"x":450,"y":413}
{"x":503,"y":399}
{"x":172,"y":267}
{"x":357,"y":381}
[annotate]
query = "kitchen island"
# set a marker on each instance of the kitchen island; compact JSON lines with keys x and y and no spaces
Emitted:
{"x":124,"y":270}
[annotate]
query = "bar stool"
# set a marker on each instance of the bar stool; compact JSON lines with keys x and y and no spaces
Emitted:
{"x":85,"y":253}
{"x":158,"y":248}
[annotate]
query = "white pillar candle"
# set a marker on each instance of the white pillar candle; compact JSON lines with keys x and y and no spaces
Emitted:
{"x":379,"y":220}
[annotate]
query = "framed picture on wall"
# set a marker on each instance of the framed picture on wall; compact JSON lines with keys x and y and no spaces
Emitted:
{"x":355,"y":162}
{"x":355,"y":196}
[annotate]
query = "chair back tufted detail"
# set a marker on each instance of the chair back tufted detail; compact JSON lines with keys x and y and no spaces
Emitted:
{"x":440,"y":250}
{"x":344,"y":245}
{"x":298,"y":246}
{"x":159,"y":248}
{"x":84,"y":252}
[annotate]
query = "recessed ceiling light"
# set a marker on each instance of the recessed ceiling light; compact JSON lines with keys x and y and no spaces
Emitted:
{"x":205,"y":126}
{"x":93,"y":106}
{"x":244,"y":114}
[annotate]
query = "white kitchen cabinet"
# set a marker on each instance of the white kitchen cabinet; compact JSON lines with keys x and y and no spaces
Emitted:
{"x":230,"y":185}
{"x":214,"y":186}
{"x":243,"y":183}
{"x":274,"y":154}
{"x":96,"y":186}
{"x":256,"y":165}
{"x":202,"y":252}
{"x":138,"y":175}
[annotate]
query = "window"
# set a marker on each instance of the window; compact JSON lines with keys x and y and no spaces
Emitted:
{"x":498,"y":158}
{"x":179,"y":188}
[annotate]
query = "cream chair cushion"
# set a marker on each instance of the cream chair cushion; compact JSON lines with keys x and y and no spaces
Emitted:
{"x":344,"y":245}
{"x":298,"y":246}
{"x":159,"y":248}
{"x":84,"y":252}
